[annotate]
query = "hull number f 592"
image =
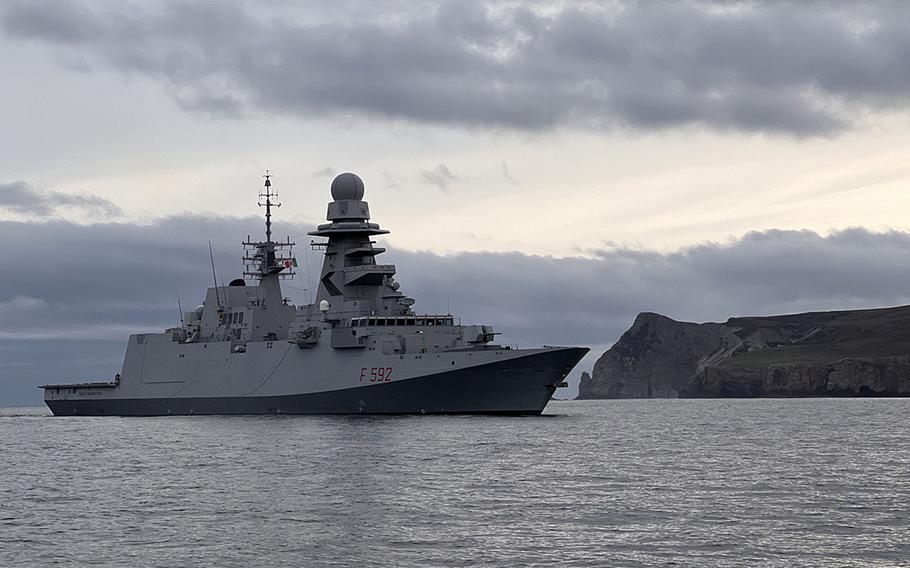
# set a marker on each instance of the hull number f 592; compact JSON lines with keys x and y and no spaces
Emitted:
{"x":376,"y":374}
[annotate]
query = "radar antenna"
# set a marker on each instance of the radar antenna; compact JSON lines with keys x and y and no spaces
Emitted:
{"x":264,"y":258}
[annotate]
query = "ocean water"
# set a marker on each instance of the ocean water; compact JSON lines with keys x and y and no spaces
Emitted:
{"x":812,"y":482}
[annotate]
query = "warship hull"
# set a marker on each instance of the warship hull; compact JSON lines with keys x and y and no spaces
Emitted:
{"x":518,"y":386}
{"x":358,"y":348}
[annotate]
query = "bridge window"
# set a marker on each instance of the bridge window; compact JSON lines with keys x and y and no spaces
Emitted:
{"x":372,"y":321}
{"x":409,"y":321}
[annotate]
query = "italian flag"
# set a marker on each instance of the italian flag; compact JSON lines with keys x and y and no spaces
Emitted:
{"x":290,"y":262}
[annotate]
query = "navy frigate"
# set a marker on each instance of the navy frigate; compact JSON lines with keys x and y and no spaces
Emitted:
{"x":358,"y":348}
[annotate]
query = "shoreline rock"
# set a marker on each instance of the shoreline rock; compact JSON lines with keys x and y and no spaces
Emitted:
{"x":844,"y":353}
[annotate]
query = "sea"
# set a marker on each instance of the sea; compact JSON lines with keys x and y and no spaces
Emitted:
{"x":707,"y":483}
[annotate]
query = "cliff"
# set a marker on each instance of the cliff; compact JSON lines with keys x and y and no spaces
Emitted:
{"x":843,"y":353}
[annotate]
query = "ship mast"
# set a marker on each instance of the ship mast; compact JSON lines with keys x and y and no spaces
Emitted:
{"x":267,"y":261}
{"x":267,"y":194}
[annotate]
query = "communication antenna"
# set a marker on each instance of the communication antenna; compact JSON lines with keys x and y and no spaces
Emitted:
{"x":268,"y":194}
{"x":268,"y":258}
{"x":180,"y":309}
{"x":214,"y":278}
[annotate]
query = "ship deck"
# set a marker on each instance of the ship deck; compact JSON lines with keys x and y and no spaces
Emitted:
{"x":86,"y":385}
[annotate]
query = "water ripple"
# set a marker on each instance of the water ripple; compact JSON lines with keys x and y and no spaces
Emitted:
{"x":621,"y":483}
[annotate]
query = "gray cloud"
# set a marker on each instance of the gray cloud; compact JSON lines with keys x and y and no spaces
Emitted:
{"x":505,"y":173}
{"x":91,"y":285}
{"x":325,"y":172}
{"x":20,"y":197}
{"x":800,"y":68}
{"x":391,"y":181}
{"x":440,"y":176}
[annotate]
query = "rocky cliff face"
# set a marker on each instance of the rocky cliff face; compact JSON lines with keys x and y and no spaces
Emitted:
{"x":848,"y":353}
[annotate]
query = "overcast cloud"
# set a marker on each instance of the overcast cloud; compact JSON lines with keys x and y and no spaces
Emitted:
{"x":525,"y":115}
{"x":83,"y":288}
{"x":440,"y":176}
{"x":21,"y":198}
{"x":798,"y":68}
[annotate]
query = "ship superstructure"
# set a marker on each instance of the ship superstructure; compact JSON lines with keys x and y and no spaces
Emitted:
{"x":358,"y":348}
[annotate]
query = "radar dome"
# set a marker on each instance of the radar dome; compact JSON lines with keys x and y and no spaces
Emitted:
{"x":347,"y":186}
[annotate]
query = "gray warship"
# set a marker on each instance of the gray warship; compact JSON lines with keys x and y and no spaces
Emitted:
{"x":359,"y":348}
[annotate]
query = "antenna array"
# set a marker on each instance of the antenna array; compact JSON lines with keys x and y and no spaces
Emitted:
{"x":263,"y":258}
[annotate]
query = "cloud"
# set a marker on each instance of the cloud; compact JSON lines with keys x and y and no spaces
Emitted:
{"x":86,"y":287}
{"x":797,"y":68}
{"x":20,"y":197}
{"x":440,"y":176}
{"x":325,"y":172}
{"x":391,"y":181}
{"x":505,"y":173}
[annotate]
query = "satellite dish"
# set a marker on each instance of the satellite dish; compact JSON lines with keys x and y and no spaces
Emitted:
{"x":324,"y":306}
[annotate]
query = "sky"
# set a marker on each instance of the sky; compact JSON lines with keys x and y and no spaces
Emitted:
{"x":550,"y":168}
